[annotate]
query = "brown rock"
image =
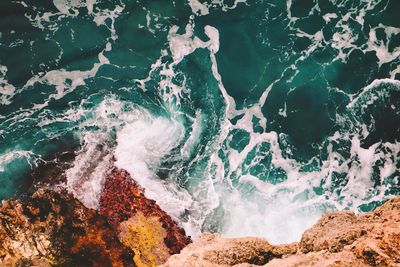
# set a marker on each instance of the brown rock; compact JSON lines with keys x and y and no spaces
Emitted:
{"x":318,"y":259}
{"x":50,"y":228}
{"x":374,"y":237}
{"x":213,"y":250}
{"x":337,"y":239}
{"x":318,"y":238}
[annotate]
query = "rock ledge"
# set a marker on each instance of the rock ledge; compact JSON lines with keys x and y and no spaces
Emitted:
{"x":337,"y":239}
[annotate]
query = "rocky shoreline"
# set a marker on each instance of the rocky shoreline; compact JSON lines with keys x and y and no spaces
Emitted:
{"x":52,"y":228}
{"x":337,"y":239}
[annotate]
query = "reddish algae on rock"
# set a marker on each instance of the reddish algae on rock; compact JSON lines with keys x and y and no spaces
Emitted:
{"x":122,"y":201}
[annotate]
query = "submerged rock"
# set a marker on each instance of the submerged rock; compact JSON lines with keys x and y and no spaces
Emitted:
{"x":54,"y":229}
{"x":337,"y":239}
{"x":142,"y":225}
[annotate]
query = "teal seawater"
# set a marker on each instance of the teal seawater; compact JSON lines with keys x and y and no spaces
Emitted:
{"x":230,"y":113}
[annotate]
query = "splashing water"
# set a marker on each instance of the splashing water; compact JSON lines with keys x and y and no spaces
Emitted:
{"x":238,"y":124}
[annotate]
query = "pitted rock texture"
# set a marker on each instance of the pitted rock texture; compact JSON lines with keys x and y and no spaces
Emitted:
{"x":337,"y":239}
{"x":211,"y":250}
{"x":142,"y":225}
{"x":54,"y":229}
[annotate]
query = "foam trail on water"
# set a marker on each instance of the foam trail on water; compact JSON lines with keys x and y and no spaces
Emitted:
{"x":381,"y":47}
{"x":203,"y":8}
{"x":9,"y":157}
{"x":373,"y":85}
{"x":281,"y":212}
{"x":7,"y":90}
{"x":60,"y":78}
{"x":273,"y":205}
{"x":242,"y":215}
{"x":198,"y":8}
{"x":209,"y":183}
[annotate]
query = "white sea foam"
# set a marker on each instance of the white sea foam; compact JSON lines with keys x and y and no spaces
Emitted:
{"x":142,"y":141}
{"x":292,"y":19}
{"x":395,"y":72}
{"x":102,"y":15}
{"x":198,"y":7}
{"x":360,"y":174}
{"x":182,"y":45}
{"x":381,"y":47}
{"x":192,"y":141}
{"x":9,"y":157}
{"x":213,"y":35}
{"x":373,"y":85}
{"x":213,"y":191}
{"x":269,"y":214}
{"x":203,"y":7}
{"x":141,"y":146}
{"x":344,"y":41}
{"x":49,"y":21}
{"x":283,"y":211}
{"x":86,"y":178}
{"x":272,"y":211}
{"x":65,"y":81}
{"x":329,"y":16}
{"x":7,"y":90}
{"x":233,"y":6}
{"x":69,"y":7}
{"x":345,"y":38}
{"x":360,"y":17}
{"x":89,"y":5}
{"x":43,"y":21}
{"x":280,"y":212}
{"x":191,"y":209}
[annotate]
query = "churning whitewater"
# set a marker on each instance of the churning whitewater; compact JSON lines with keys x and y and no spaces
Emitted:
{"x":248,"y":118}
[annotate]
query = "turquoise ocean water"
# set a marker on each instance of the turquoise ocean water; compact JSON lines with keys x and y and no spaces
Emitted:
{"x":244,"y":117}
